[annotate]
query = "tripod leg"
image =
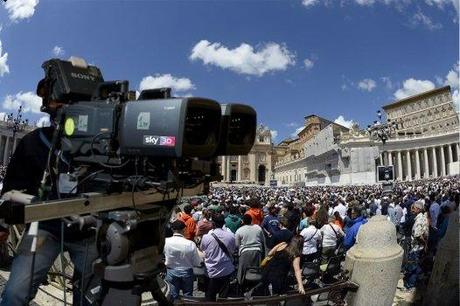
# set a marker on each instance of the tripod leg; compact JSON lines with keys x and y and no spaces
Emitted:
{"x":157,"y":294}
{"x":122,"y":295}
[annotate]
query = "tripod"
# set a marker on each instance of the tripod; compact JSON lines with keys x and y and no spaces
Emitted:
{"x":130,"y":244}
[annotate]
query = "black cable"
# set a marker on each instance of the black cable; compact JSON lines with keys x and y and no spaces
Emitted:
{"x":101,"y":163}
{"x":85,"y":179}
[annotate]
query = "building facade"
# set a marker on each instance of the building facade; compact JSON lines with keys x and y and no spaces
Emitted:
{"x":254,"y":168}
{"x":425,"y":145}
{"x":8,"y":141}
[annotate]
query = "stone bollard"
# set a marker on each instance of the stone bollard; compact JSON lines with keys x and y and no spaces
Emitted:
{"x":374,"y":263}
{"x":443,"y":286}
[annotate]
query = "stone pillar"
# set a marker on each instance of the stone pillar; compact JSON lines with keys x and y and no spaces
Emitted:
{"x":6,"y":152}
{"x":390,"y":159}
{"x":443,"y":285}
{"x":449,"y":158}
{"x":374,"y":263}
{"x":418,"y":171}
{"x":252,"y":166}
{"x":435,"y":162}
{"x":400,"y":174}
{"x":381,"y":159}
{"x":457,"y":152}
{"x":449,"y":154}
{"x":223,"y":167}
{"x":239,"y":169}
{"x":443,"y":162}
{"x":409,"y":166}
{"x":427,"y":164}
{"x":228,"y":168}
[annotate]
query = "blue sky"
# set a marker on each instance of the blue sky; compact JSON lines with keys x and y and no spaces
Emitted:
{"x":340,"y":59}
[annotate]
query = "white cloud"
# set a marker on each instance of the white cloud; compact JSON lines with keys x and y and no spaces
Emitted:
{"x":29,"y":100}
{"x":43,"y":121}
{"x":166,"y":80}
{"x":421,"y":19}
{"x":308,"y":63}
{"x":4,"y":68}
{"x":274,"y":134}
{"x":297,"y":131}
{"x":20,"y":9}
{"x":412,"y":87}
{"x":244,"y":59}
{"x":456,"y":99}
{"x":58,"y":51}
{"x":341,"y":120}
{"x":452,"y":77}
{"x":367,"y":84}
{"x":442,"y":3}
{"x":309,"y":3}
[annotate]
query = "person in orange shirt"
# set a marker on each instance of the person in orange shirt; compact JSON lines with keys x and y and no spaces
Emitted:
{"x":255,"y":212}
{"x":190,"y":224}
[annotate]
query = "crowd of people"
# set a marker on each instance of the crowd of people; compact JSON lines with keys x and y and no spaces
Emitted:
{"x":276,"y":231}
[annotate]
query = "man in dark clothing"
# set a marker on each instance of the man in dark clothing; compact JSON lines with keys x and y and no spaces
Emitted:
{"x":293,"y":217}
{"x":25,"y":172}
{"x":282,"y":235}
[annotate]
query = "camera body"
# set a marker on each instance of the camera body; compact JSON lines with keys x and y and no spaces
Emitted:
{"x":103,"y":127}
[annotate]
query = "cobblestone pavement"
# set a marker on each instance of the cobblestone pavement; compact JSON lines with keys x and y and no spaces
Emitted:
{"x":51,"y":296}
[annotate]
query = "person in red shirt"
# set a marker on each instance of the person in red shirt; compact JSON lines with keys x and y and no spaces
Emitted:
{"x":255,"y":212}
{"x":190,"y":224}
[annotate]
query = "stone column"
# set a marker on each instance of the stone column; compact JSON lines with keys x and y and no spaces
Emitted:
{"x":457,"y":152}
{"x":223,"y":167}
{"x":427,"y":164}
{"x":374,"y":263}
{"x":381,"y":159}
{"x":409,"y":166}
{"x":229,"y":169}
{"x":239,"y":169}
{"x":443,"y":162}
{"x":6,"y":152}
{"x":253,"y":167}
{"x":400,"y":174}
{"x":390,"y":159}
{"x":449,"y":153}
{"x":418,"y":171}
{"x":449,"y":157}
{"x":435,"y":162}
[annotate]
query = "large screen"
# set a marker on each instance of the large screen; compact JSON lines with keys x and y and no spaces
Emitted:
{"x":385,"y":173}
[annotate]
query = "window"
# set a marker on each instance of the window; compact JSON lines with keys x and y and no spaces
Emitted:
{"x":261,"y":138}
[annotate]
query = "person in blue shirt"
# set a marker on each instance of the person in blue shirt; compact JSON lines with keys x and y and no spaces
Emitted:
{"x":358,"y":218}
{"x":270,"y":225}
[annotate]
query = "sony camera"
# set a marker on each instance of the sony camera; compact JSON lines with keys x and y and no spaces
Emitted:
{"x":103,"y":125}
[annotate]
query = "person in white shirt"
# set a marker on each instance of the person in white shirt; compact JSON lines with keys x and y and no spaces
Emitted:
{"x":181,"y":255}
{"x":331,"y":234}
{"x":342,"y":209}
{"x":312,"y":239}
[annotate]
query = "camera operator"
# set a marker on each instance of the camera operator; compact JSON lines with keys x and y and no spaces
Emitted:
{"x":25,"y":172}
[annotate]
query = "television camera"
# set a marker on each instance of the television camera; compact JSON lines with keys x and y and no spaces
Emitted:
{"x":119,"y":164}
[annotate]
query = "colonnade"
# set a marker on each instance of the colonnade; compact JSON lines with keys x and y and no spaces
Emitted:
{"x":7,"y":146}
{"x":421,"y":163}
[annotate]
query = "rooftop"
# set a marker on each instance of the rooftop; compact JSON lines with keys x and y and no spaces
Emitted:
{"x":415,"y":97}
